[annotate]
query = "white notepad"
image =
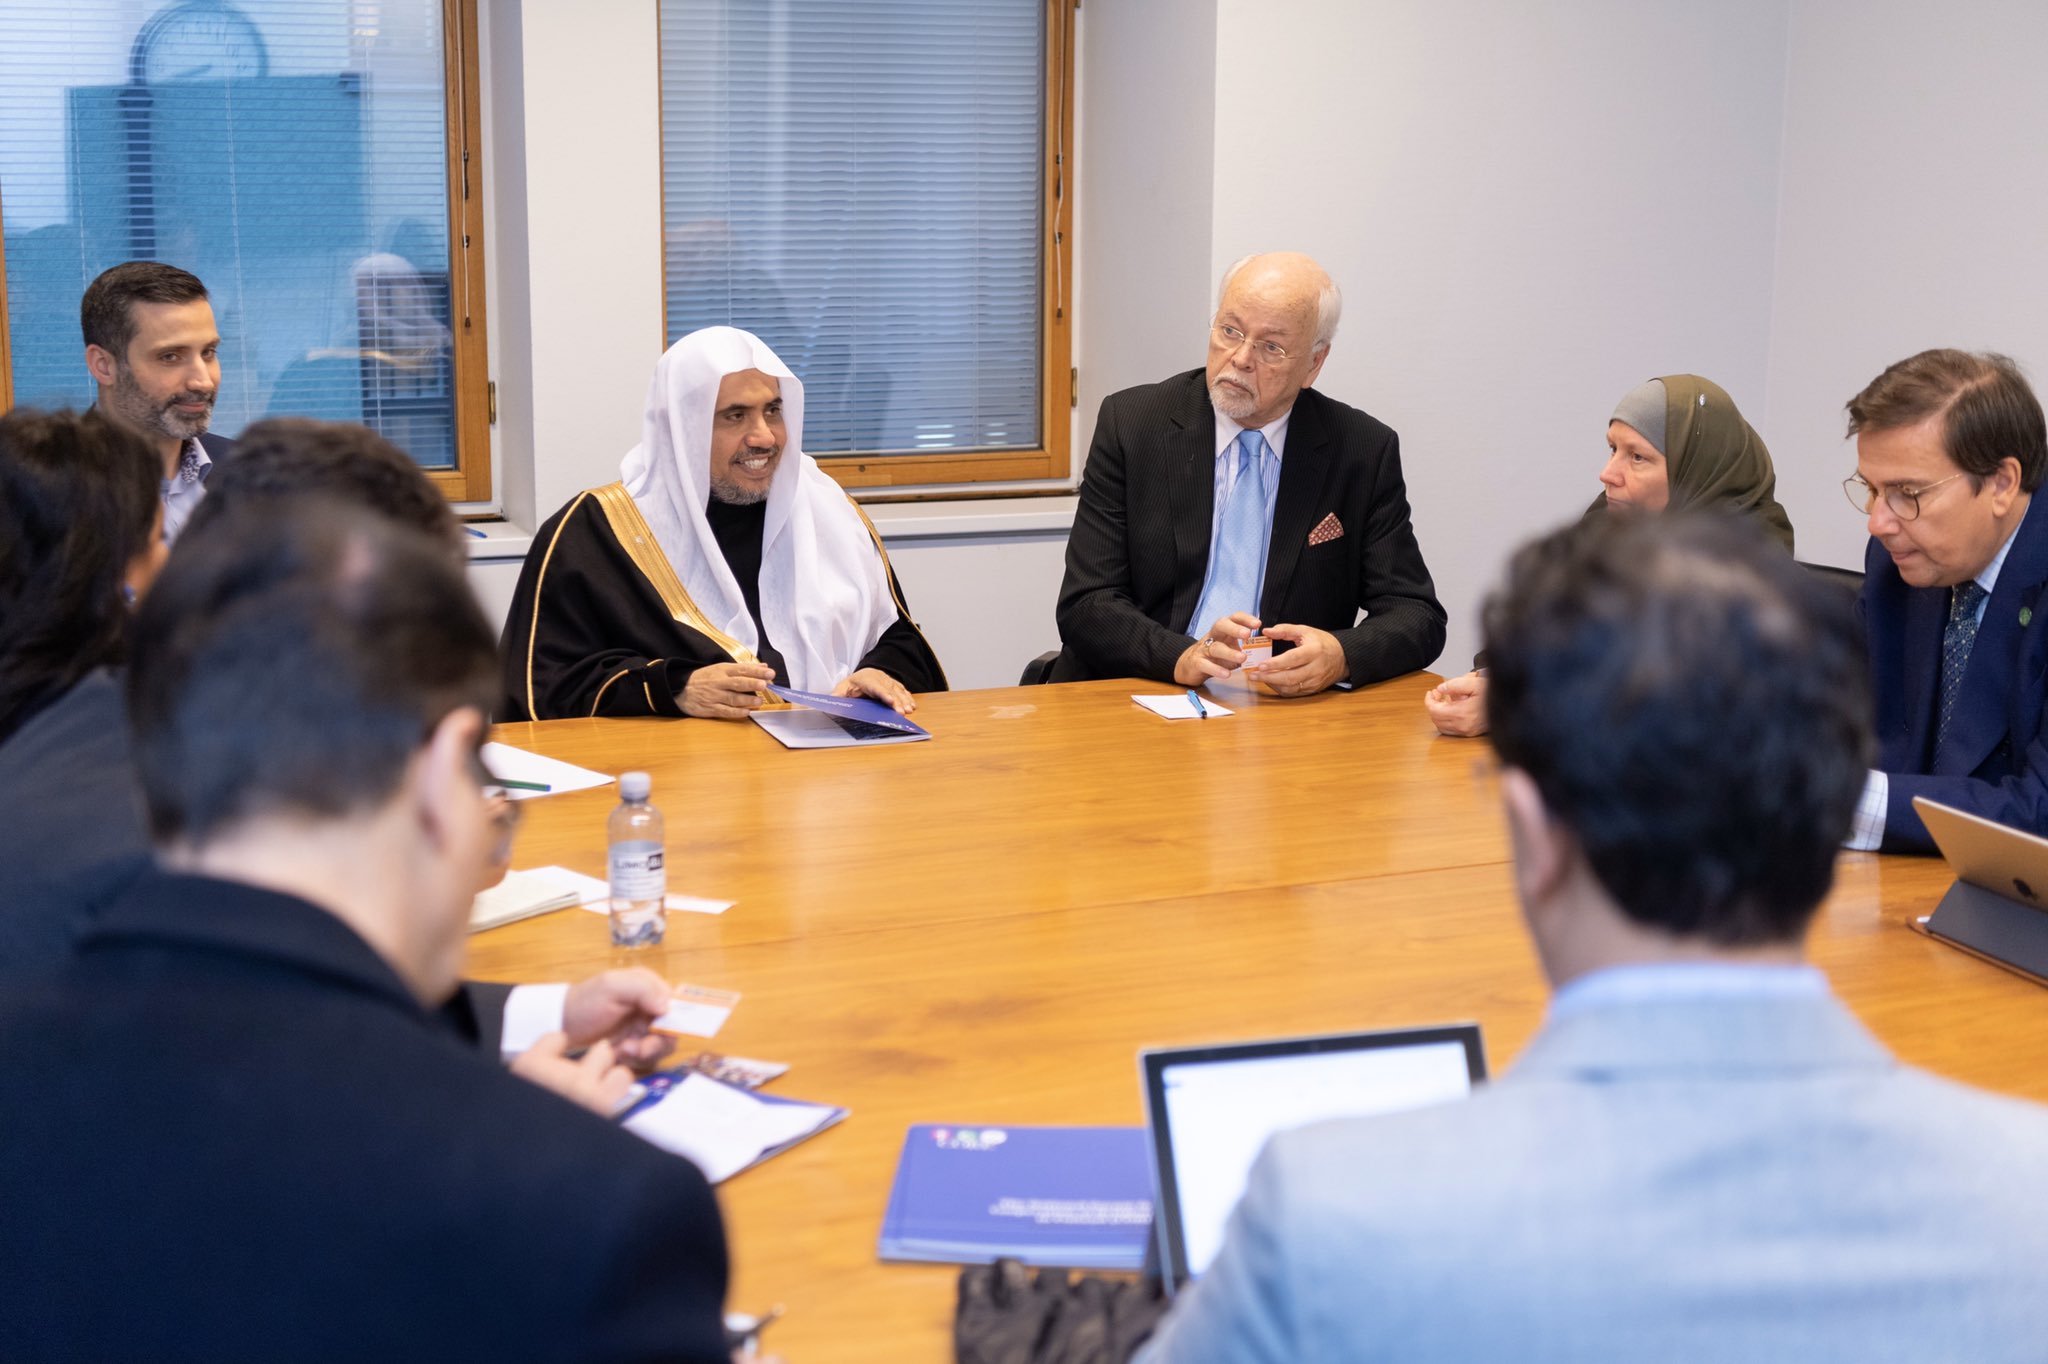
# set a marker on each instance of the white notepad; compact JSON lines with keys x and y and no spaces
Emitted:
{"x":521,"y":895}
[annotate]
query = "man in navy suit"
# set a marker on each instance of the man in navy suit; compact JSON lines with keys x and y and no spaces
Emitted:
{"x":153,"y":349}
{"x":234,"y":1128}
{"x":1236,"y":499}
{"x":1949,"y":449}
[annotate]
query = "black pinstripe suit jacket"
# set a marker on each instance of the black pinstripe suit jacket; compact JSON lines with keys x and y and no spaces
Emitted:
{"x":1140,"y":545}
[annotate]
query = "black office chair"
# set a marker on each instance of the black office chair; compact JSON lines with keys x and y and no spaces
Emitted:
{"x":1848,"y":579}
{"x":1039,"y":670}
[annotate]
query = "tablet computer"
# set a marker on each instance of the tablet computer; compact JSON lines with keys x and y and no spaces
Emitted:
{"x":1210,"y":1109}
{"x":1998,"y":908}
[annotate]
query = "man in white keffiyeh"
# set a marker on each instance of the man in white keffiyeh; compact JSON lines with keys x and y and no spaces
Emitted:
{"x":724,"y":559}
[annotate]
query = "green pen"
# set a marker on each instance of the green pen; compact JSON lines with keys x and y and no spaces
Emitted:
{"x":511,"y":785}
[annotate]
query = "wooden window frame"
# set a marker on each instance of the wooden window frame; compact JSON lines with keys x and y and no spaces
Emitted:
{"x":470,"y":479}
{"x":1053,"y":456}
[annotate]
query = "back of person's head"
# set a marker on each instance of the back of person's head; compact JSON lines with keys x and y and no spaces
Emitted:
{"x":78,"y":507}
{"x":1988,"y":410}
{"x":107,"y":312}
{"x":295,"y":456}
{"x":1691,"y":704}
{"x":293,"y":661}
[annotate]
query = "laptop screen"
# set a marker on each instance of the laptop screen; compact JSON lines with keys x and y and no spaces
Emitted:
{"x":1211,"y":1110}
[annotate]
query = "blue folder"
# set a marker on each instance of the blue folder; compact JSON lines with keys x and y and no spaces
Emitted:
{"x":1079,"y":1197}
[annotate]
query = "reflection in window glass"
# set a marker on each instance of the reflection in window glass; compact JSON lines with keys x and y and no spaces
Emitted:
{"x":861,"y":186}
{"x":291,"y":153}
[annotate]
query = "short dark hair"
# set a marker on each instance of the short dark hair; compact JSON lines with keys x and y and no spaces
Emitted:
{"x":1692,"y":705}
{"x":107,"y":312}
{"x":294,"y":660}
{"x":296,"y":456}
{"x":78,"y":503}
{"x":1988,"y":410}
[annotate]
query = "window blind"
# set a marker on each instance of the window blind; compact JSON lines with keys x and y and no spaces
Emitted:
{"x":860,"y":185}
{"x":290,"y":153}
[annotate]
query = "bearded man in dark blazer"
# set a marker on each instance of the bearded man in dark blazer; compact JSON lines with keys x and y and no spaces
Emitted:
{"x":1237,"y":500}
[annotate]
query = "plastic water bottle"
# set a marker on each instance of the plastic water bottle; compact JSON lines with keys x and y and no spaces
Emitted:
{"x":637,"y":866}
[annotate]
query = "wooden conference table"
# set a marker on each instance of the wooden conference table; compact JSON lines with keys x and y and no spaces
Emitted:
{"x":985,"y":928}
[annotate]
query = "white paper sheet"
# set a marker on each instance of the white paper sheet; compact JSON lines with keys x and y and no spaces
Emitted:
{"x":1179,"y":707}
{"x":516,"y":764}
{"x":521,"y":895}
{"x":723,"y":1130}
{"x":593,"y":893}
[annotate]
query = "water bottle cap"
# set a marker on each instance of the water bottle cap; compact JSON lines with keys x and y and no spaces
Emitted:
{"x":634,"y":786}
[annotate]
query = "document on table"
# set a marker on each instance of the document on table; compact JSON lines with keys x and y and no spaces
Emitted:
{"x":721,"y":1129}
{"x":593,"y":893}
{"x":835,"y":722}
{"x":1180,"y":706}
{"x":521,"y":895}
{"x":515,"y":764}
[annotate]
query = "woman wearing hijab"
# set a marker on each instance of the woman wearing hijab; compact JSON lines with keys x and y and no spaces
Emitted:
{"x":724,"y":559}
{"x":1677,"y":441}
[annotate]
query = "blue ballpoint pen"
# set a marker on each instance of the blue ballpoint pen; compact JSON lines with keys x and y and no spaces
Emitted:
{"x":1201,"y":711}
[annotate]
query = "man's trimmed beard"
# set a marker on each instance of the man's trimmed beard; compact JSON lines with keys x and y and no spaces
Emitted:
{"x":734,"y":494}
{"x":146,"y":414}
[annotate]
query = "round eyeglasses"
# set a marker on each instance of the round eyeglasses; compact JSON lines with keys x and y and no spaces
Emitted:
{"x":1265,"y":352}
{"x":1903,"y":501}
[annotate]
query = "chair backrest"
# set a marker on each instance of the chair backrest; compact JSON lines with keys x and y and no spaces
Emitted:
{"x":1848,"y":579}
{"x":1039,"y":670}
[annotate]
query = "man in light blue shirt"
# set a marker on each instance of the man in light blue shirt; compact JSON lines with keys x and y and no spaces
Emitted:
{"x":1701,"y":1155}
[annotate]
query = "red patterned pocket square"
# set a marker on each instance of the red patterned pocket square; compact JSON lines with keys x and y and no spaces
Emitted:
{"x":1327,"y":529}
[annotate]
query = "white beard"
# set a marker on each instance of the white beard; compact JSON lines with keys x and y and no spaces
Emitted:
{"x":1233,"y":402}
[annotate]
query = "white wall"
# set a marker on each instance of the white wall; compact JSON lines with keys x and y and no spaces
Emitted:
{"x":1144,"y":196}
{"x":1913,"y":213}
{"x":1530,"y":210}
{"x":575,"y":232}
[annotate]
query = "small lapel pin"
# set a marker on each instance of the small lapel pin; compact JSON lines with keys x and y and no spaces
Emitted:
{"x":2026,"y":616}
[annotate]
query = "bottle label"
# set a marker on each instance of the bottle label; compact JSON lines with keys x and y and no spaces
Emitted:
{"x":638,"y":871}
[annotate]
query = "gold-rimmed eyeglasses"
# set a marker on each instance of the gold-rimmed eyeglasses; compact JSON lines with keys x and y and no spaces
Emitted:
{"x":1265,"y":352}
{"x":1904,"y":501}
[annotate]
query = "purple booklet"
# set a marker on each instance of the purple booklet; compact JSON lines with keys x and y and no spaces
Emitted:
{"x":835,"y":721}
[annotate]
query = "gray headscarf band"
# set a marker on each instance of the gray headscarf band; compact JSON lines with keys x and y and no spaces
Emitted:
{"x":1642,"y":408}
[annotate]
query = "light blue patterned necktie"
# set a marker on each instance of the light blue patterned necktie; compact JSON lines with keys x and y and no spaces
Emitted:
{"x":1240,"y":542}
{"x":1956,"y":639}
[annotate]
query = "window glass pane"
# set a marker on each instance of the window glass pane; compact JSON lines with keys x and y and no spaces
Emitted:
{"x":291,"y":153}
{"x":860,"y":185}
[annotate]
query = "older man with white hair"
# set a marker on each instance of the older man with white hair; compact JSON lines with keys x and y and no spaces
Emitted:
{"x":1237,"y":500}
{"x":724,"y":559}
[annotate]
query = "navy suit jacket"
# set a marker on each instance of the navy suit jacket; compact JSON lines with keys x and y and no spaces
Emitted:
{"x":78,"y":838}
{"x":1993,"y":761}
{"x":232,"y":1133}
{"x":1140,"y":544}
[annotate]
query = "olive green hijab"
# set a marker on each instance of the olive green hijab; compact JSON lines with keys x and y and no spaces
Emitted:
{"x":1713,"y":457}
